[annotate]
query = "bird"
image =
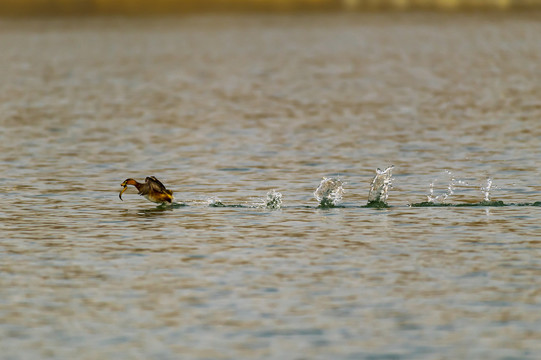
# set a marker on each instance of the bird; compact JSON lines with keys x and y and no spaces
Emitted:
{"x":153,"y":190}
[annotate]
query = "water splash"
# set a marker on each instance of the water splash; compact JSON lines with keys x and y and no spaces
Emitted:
{"x":451,"y":186}
{"x":329,"y":192}
{"x":379,"y":188}
{"x":274,"y":200}
{"x":441,"y":197}
{"x":173,"y":205}
{"x":486,"y":189}
{"x":215,"y":202}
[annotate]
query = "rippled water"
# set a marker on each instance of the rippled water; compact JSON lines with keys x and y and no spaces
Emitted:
{"x":227,"y":109}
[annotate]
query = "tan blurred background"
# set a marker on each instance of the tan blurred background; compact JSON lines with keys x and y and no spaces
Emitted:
{"x":145,"y":7}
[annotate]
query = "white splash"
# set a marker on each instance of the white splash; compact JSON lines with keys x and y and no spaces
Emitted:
{"x":451,"y":186}
{"x":441,"y":197}
{"x":215,"y":202}
{"x":274,"y":200}
{"x":486,"y":189}
{"x":329,"y":192}
{"x":379,"y":188}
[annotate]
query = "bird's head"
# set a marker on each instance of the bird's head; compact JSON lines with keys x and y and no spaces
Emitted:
{"x":128,"y":182}
{"x":125,"y":186}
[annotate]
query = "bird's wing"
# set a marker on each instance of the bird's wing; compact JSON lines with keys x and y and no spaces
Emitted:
{"x":155,"y":184}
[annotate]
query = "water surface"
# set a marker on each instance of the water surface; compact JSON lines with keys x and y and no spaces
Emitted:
{"x":228,"y":108}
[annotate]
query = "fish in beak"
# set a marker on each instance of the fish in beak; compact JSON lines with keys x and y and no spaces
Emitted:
{"x":122,"y":191}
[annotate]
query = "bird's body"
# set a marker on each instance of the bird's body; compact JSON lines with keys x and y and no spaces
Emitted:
{"x":152,"y":189}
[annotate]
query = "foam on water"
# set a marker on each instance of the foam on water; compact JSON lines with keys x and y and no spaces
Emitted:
{"x":380,"y":185}
{"x":329,"y":192}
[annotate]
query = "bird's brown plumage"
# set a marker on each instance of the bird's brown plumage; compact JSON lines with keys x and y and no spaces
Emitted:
{"x":152,"y":189}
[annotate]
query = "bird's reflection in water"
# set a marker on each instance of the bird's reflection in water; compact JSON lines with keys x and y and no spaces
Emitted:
{"x":160,"y":210}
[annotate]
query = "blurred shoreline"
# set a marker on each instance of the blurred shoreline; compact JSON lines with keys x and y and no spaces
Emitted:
{"x":31,"y":8}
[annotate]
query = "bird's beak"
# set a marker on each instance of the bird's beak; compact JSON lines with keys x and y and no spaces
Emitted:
{"x":122,"y":191}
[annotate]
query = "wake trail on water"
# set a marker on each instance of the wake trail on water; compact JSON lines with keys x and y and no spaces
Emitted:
{"x":273,"y":201}
{"x":330,"y":193}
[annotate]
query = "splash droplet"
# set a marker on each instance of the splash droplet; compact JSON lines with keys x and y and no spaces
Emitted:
{"x":451,"y":186}
{"x":486,"y":189}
